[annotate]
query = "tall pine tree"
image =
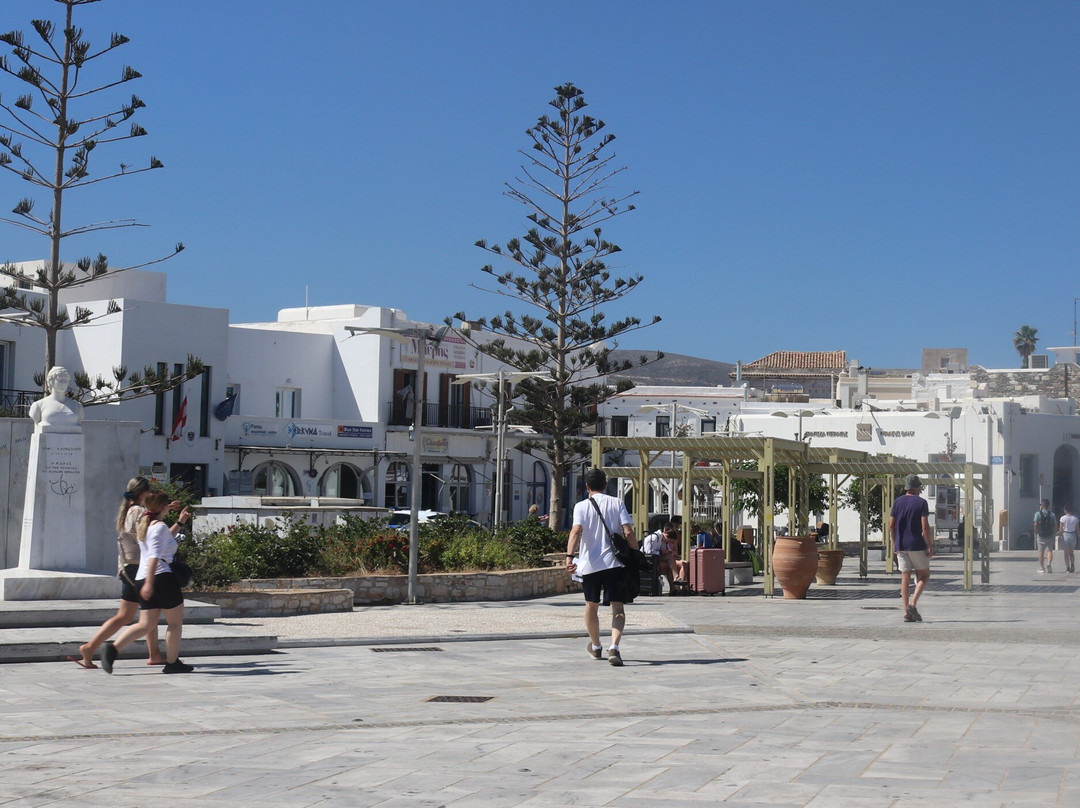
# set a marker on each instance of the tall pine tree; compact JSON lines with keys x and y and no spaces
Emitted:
{"x":559,"y":277}
{"x":49,"y":139}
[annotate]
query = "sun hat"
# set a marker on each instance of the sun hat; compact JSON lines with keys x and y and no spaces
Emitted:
{"x":911,"y":482}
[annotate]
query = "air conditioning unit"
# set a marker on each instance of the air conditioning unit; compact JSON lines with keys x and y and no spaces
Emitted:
{"x":1039,"y":360}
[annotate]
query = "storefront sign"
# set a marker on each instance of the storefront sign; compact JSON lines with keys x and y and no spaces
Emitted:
{"x":349,"y":431}
{"x":308,"y":430}
{"x":897,"y":433}
{"x":450,"y":352}
{"x":255,"y":429}
{"x":433,"y":445}
{"x":826,"y":434}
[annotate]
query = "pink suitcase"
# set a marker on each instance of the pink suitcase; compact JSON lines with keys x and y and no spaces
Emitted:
{"x":707,"y":571}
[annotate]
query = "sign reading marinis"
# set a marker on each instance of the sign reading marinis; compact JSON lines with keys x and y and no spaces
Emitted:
{"x":450,"y":352}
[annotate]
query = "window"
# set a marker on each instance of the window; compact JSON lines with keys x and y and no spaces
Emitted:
{"x":273,"y":479}
{"x":663,"y":426}
{"x":538,"y":486}
{"x":159,"y":402}
{"x":345,"y":482}
{"x":708,"y":425}
{"x":396,"y":493}
{"x":1029,"y":475}
{"x":620,"y":426}
{"x":287,"y":402}
{"x":204,"y":405}
{"x":460,"y":488}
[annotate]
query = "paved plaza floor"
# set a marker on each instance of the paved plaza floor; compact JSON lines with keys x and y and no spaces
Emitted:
{"x":742,"y":700}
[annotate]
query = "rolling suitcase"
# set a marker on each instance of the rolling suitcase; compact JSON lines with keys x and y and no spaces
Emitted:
{"x":707,"y":571}
{"x":649,"y":575}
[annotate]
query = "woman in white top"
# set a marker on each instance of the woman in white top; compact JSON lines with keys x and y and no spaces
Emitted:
{"x":158,"y":588}
{"x":131,"y":510}
{"x":1067,"y":532}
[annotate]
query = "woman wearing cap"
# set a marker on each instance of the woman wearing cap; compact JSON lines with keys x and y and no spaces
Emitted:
{"x":913,"y":541}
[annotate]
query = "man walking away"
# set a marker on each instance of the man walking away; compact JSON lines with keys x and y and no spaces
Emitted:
{"x":1043,"y":528}
{"x":913,"y":541}
{"x":602,"y":575}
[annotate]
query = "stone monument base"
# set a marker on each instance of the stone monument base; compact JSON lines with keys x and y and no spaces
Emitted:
{"x":25,"y":584}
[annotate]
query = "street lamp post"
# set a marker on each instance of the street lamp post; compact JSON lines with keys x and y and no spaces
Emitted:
{"x":422,"y":335}
{"x":502,"y":377}
{"x":675,"y":406}
{"x":801,"y":414}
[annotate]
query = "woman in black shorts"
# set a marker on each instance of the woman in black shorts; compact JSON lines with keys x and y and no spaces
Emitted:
{"x":159,"y":591}
{"x":127,"y":520}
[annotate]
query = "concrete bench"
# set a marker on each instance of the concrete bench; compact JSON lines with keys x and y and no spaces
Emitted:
{"x":738,"y":572}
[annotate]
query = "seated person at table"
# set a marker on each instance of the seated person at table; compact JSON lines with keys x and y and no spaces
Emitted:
{"x":822,"y":532}
{"x":662,"y":544}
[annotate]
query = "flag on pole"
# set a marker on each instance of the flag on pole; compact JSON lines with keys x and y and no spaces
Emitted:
{"x":181,"y":421}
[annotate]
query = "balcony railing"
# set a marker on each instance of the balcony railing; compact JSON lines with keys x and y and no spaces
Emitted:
{"x":16,"y":403}
{"x":448,"y":416}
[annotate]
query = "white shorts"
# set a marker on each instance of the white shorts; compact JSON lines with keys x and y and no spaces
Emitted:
{"x":912,"y":560}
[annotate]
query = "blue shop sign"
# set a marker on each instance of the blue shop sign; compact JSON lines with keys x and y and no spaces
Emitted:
{"x":346,"y":431}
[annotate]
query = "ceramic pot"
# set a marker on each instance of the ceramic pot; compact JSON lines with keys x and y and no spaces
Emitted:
{"x":828,"y":566}
{"x":795,"y":560}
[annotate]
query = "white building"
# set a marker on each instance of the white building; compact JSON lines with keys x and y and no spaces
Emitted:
{"x":297,"y":407}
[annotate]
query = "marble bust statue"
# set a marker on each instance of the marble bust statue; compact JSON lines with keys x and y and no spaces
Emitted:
{"x":56,"y":412}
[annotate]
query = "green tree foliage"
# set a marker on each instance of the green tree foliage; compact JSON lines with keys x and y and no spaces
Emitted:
{"x":51,"y":140}
{"x":748,"y":496}
{"x":851,"y":496}
{"x":558,"y":273}
{"x":1024,"y":341}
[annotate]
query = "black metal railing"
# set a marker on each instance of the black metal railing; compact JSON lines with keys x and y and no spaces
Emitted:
{"x":450,"y":416}
{"x":16,"y":403}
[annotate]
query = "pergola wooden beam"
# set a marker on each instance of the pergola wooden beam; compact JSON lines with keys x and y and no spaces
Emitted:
{"x":720,"y":452}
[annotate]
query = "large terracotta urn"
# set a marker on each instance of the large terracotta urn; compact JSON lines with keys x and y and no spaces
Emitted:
{"x":795,"y":560}
{"x":828,"y":566}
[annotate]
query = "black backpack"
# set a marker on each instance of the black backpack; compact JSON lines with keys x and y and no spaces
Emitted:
{"x":1046,"y":527}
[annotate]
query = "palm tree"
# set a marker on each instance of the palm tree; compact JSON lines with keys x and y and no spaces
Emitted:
{"x":1024,"y":341}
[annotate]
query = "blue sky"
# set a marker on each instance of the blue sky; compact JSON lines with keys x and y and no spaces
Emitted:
{"x":868,"y":176}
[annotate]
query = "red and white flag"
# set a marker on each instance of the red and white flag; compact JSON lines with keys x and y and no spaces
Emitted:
{"x":181,"y":420}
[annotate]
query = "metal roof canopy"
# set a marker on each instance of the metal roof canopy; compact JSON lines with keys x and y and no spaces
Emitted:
{"x":802,"y":461}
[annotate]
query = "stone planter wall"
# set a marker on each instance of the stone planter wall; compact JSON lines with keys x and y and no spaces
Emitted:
{"x":278,"y":602}
{"x":441,"y":588}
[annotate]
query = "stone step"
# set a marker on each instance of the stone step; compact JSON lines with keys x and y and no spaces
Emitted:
{"x":57,"y":643}
{"x":15,"y":614}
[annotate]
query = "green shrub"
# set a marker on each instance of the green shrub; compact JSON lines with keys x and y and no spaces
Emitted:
{"x":529,"y":541}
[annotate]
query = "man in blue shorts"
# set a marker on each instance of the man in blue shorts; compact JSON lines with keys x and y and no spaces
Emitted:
{"x":913,"y":541}
{"x":601,"y":573}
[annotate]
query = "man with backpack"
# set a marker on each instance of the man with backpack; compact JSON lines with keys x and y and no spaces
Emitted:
{"x":1044,"y":527}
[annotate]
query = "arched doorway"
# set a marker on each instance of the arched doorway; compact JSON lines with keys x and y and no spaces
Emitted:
{"x":274,"y":479}
{"x":1066,"y":477}
{"x":345,"y":481}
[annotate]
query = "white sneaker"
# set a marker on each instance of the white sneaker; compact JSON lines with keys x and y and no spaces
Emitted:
{"x":1040,"y":570}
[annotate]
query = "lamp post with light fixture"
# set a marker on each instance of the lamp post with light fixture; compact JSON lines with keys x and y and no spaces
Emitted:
{"x":674,"y":406}
{"x":502,"y":377}
{"x":423,"y":335}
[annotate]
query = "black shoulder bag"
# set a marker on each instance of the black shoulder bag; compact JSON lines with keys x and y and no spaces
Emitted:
{"x":627,"y":555}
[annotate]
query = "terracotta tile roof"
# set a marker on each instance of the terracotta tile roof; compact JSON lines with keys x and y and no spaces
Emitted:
{"x":800,"y":360}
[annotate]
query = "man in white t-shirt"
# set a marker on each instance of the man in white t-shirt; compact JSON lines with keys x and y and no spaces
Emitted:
{"x":1067,"y":532}
{"x":601,"y":573}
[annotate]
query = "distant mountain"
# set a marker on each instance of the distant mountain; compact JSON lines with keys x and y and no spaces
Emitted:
{"x":675,"y":370}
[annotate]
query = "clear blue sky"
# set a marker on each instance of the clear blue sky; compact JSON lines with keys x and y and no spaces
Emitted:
{"x":868,"y":176}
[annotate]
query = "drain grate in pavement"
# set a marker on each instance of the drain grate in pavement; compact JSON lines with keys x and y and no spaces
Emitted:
{"x":462,"y":699}
{"x":402,"y":648}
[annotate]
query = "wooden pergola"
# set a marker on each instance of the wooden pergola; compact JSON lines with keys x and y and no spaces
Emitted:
{"x":719,"y":459}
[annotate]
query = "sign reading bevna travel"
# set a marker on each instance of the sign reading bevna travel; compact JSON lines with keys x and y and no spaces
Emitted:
{"x":302,"y":429}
